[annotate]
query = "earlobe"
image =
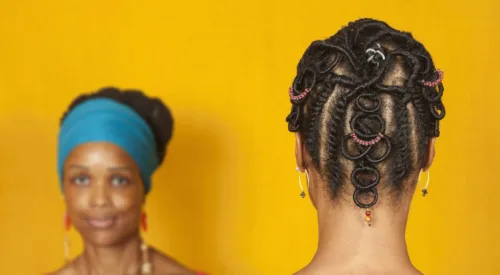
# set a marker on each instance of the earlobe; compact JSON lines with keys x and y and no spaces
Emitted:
{"x":430,"y":154}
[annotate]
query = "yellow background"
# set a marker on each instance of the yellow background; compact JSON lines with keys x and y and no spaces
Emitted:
{"x":227,"y":199}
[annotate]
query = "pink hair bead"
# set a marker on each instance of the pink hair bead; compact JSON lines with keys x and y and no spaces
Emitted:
{"x":300,"y":96}
{"x":435,"y":82}
{"x":366,"y":142}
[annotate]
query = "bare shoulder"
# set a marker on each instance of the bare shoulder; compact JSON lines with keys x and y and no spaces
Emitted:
{"x":416,"y":272}
{"x":310,"y":270}
{"x":165,"y":265}
{"x":304,"y":271}
{"x":65,"y":270}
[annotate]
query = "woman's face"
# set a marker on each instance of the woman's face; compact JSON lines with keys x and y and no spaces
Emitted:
{"x":104,"y":192}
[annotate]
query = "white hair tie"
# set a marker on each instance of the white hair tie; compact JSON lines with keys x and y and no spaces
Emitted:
{"x":375,"y":55}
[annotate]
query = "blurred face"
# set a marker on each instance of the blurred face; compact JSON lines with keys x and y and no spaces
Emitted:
{"x":104,"y":193}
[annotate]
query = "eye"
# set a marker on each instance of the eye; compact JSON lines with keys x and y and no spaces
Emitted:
{"x":81,"y":180}
{"x":119,"y":180}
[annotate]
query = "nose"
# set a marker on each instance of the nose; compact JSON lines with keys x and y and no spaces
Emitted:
{"x":99,"y":196}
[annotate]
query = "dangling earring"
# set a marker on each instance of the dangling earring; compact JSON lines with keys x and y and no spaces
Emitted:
{"x":144,"y":221}
{"x":67,"y":243}
{"x":146,"y":267}
{"x":368,"y":217}
{"x":424,"y":190}
{"x":303,"y":193}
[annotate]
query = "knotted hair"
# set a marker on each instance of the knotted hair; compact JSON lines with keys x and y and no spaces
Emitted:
{"x":366,"y":102}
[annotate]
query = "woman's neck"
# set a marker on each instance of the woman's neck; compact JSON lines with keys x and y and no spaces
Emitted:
{"x":347,"y":243}
{"x":124,"y":258}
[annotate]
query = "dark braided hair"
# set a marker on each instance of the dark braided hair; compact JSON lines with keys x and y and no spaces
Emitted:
{"x":366,"y":83}
{"x":152,"y":110}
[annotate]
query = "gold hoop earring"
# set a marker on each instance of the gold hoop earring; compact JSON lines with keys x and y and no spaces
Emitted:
{"x":307,"y":178}
{"x":302,"y":193}
{"x":424,"y":190}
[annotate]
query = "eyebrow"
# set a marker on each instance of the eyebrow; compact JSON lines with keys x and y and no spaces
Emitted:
{"x":77,"y":166}
{"x":120,"y":168}
{"x":117,"y":168}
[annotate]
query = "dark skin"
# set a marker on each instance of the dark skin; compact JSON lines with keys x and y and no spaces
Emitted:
{"x":346,"y":245}
{"x":104,"y":196}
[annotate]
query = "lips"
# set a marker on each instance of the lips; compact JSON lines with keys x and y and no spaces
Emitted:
{"x":101,"y":222}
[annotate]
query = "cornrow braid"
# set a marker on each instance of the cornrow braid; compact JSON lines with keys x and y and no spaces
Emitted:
{"x":369,"y":110}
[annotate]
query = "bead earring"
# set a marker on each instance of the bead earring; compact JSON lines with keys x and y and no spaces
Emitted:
{"x":368,"y":217}
{"x":67,"y":243}
{"x":146,"y":267}
{"x":144,"y":221}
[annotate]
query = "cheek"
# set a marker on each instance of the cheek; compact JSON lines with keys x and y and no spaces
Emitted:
{"x":76,"y":199}
{"x":122,"y":201}
{"x":128,"y":207}
{"x":128,"y":201}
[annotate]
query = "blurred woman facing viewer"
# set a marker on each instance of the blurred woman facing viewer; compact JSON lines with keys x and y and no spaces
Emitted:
{"x":110,"y":143}
{"x":366,"y":106}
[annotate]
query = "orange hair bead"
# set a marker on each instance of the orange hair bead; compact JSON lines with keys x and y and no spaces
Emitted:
{"x":368,"y":217}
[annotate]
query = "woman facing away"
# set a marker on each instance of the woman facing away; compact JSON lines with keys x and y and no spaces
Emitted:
{"x":366,"y":106}
{"x":110,"y":143}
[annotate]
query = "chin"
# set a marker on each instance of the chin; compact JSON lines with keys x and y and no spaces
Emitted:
{"x":104,"y":238}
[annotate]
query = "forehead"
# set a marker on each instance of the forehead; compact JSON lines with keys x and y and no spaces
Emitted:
{"x":99,"y":153}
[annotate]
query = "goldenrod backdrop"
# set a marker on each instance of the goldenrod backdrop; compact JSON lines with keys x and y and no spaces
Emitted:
{"x":227,"y":200}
